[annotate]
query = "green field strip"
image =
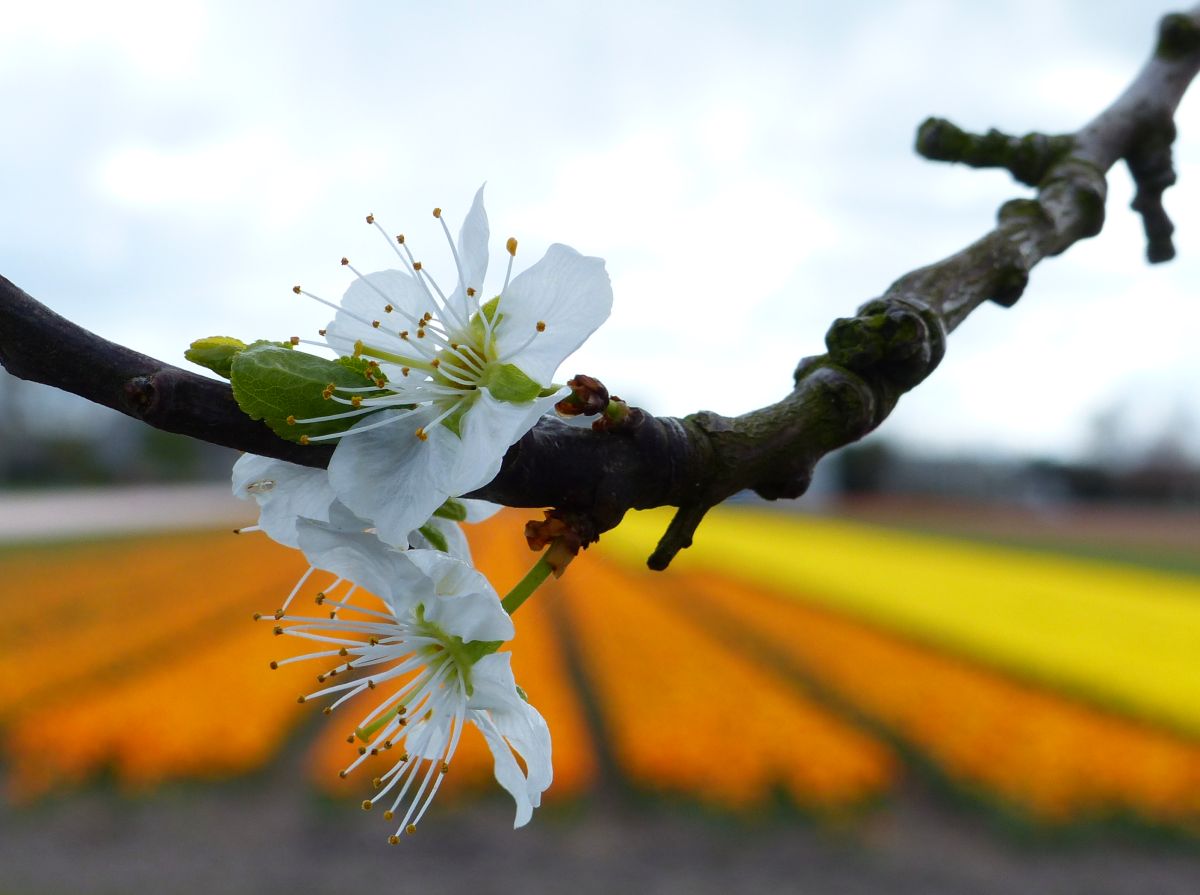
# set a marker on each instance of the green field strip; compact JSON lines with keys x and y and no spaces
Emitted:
{"x":1126,"y":638}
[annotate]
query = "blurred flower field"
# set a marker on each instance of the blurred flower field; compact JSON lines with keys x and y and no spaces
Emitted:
{"x":785,"y":660}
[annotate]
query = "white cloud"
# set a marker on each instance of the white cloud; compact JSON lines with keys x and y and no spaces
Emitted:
{"x":746,"y":172}
{"x":156,"y":40}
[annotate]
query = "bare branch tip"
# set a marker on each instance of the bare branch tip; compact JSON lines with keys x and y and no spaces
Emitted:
{"x":678,"y":535}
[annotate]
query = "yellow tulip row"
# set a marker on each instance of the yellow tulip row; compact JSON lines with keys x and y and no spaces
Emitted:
{"x":1122,"y":637}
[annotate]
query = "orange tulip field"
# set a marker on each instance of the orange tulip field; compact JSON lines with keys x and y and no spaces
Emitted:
{"x":751,"y":677}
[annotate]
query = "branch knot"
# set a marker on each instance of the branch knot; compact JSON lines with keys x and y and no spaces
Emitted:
{"x":898,"y":340}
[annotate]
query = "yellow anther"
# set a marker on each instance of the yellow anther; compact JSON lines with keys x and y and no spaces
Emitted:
{"x":436,"y":362}
{"x":416,"y":265}
{"x":366,"y":804}
{"x":375,"y":323}
{"x":400,"y":238}
{"x":295,"y":340}
{"x":410,"y":829}
{"x":388,"y":815}
{"x":387,"y":744}
{"x":374,"y":641}
{"x":470,"y":291}
{"x":511,"y":245}
{"x":404,"y":371}
{"x":393,"y":839}
{"x":278,"y":614}
{"x":377,"y":782}
{"x":356,"y":401}
{"x":403,"y":710}
{"x":358,"y":347}
{"x":420,"y":334}
{"x":404,"y":334}
{"x":304,"y":439}
{"x":445,"y":768}
{"x":370,"y":219}
{"x":387,"y":309}
{"x":300,"y":699}
{"x":380,"y":382}
{"x":437,"y":212}
{"x":541,"y":326}
{"x":291,"y":420}
{"x":421,"y":434}
{"x":297,"y":289}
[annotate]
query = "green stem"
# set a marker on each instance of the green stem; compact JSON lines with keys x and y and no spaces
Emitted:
{"x":533,"y":579}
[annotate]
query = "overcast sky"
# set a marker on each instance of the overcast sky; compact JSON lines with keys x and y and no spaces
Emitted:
{"x":170,"y":170}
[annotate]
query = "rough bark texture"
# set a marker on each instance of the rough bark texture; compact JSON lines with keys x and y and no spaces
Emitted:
{"x":889,"y":346}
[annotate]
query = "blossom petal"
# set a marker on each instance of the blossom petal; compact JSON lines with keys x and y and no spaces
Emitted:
{"x":487,"y":430}
{"x":341,"y":519}
{"x":362,"y":558}
{"x":466,"y":604}
{"x":390,"y":476}
{"x":472,"y":255}
{"x":479,"y":510}
{"x":294,"y":491}
{"x":570,"y":293}
{"x":509,"y":724}
{"x":427,"y":738}
{"x":452,"y":534}
{"x":364,"y":301}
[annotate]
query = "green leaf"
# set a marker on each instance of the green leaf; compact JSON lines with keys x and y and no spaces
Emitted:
{"x":363,"y":368}
{"x":272,"y":383}
{"x":506,"y":382}
{"x":434,"y":537}
{"x":215,"y":353}
{"x":453,"y":510}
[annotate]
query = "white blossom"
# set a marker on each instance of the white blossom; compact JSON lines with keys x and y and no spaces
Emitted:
{"x":287,"y":492}
{"x":427,"y":654}
{"x":467,"y":376}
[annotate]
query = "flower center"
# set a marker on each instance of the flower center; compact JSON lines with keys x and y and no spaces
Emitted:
{"x":441,"y":356}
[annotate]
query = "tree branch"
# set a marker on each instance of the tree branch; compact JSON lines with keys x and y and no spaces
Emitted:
{"x":889,"y":346}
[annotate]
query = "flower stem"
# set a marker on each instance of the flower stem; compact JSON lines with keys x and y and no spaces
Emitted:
{"x":533,"y":579}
